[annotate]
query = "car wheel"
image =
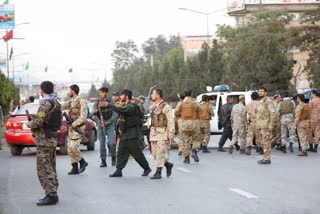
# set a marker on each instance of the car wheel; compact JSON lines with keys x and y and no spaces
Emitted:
{"x":92,"y":140}
{"x":16,"y":150}
{"x":64,"y":147}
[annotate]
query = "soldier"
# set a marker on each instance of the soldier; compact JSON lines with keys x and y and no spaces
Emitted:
{"x":314,"y":131}
{"x":205,"y":117}
{"x":239,"y":125}
{"x":106,"y":118}
{"x":276,"y":132}
{"x":161,"y":130}
{"x":265,"y":122}
{"x":77,"y":109}
{"x":225,"y":122}
{"x":252,"y":132}
{"x":301,"y":123}
{"x":129,"y":141}
{"x":189,"y":111}
{"x":178,"y":124}
{"x":44,"y":126}
{"x":115,"y":97}
{"x":286,"y":114}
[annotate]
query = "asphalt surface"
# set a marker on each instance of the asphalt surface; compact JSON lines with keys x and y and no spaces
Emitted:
{"x":219,"y":183}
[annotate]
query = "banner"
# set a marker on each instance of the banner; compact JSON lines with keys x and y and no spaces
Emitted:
{"x":7,"y":16}
{"x":282,"y":1}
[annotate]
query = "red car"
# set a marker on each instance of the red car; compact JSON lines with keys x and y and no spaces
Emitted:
{"x":3,"y":19}
{"x":19,"y":136}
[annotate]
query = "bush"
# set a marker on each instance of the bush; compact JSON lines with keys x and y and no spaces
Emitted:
{"x":8,"y":92}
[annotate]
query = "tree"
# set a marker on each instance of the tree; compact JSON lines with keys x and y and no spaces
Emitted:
{"x":8,"y":92}
{"x":124,"y":54}
{"x":93,"y":92}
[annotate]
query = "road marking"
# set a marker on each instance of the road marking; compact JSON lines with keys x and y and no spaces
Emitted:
{"x":150,"y":157}
{"x":243,"y":193}
{"x":183,"y":169}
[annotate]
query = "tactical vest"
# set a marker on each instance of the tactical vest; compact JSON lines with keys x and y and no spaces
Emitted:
{"x":188,"y":111}
{"x":205,"y":114}
{"x":305,"y":113}
{"x":286,"y":107}
{"x":158,"y":118}
{"x":53,"y":121}
{"x":136,"y":120}
{"x":74,"y":112}
{"x":106,"y":112}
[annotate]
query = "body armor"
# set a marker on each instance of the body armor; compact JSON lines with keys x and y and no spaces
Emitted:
{"x":188,"y":111}
{"x":74,"y":112}
{"x":205,"y":114}
{"x":305,"y":113}
{"x":53,"y":120}
{"x":286,"y":107}
{"x":158,"y":118}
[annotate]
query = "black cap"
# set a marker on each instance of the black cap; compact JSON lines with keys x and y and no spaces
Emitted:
{"x":115,"y":93}
{"x":104,"y":89}
{"x":141,"y":97}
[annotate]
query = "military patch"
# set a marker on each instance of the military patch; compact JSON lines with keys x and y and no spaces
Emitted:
{"x":41,"y":114}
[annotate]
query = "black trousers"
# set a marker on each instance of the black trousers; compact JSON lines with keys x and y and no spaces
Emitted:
{"x":226,"y":134}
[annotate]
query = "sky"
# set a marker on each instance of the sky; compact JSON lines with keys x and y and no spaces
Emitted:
{"x":80,"y":34}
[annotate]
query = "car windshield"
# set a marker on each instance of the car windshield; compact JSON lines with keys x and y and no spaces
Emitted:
{"x":31,"y":107}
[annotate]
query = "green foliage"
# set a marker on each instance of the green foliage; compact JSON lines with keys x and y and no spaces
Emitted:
{"x":93,"y":92}
{"x":8,"y":92}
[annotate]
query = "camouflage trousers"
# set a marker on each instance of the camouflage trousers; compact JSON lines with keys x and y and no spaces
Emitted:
{"x":239,"y":135}
{"x":303,"y":131}
{"x":46,"y":169}
{"x":265,"y":137}
{"x":314,"y":132}
{"x":252,"y":134}
{"x":276,"y":135}
{"x":205,"y":132}
{"x":287,"y":127}
{"x":74,"y":150}
{"x":159,"y":149}
{"x":188,"y":138}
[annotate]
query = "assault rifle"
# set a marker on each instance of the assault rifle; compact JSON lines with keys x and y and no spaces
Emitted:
{"x":76,"y":129}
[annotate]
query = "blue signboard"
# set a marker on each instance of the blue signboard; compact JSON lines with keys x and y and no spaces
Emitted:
{"x":7,"y":16}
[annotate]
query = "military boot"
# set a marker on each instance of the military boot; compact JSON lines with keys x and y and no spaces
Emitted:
{"x":74,"y":170}
{"x":278,"y":147}
{"x":157,"y":175}
{"x":113,"y":161}
{"x":248,"y":150}
{"x":230,"y":149}
{"x":57,"y":198}
{"x":103,"y":163}
{"x":169,"y":167}
{"x":290,"y":147}
{"x":310,"y":148}
{"x":315,"y":148}
{"x":205,"y":149}
{"x":237,"y":146}
{"x":146,"y":172}
{"x":180,"y":153}
{"x":263,"y":161}
{"x":187,"y":160}
{"x":83,"y":165}
{"x":284,"y":149}
{"x":116,"y":174}
{"x":242,"y":151}
{"x":303,"y":153}
{"x":48,"y":200}
{"x":220,"y":149}
{"x":194,"y":155}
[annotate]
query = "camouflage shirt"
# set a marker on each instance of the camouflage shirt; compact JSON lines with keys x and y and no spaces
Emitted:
{"x":266,"y":114}
{"x":238,"y":115}
{"x":251,"y":110}
{"x":314,"y":105}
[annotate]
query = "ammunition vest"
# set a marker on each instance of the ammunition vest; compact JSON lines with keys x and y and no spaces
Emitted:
{"x":135,"y":120}
{"x":305,"y":113}
{"x":53,"y":120}
{"x":158,"y":118}
{"x":286,"y":107}
{"x":205,"y":114}
{"x":106,"y":112}
{"x":74,"y":112}
{"x":188,"y":111}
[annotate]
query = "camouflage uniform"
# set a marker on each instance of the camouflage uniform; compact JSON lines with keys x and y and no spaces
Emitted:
{"x":178,"y":128}
{"x":239,"y":123}
{"x":205,"y":117}
{"x":78,"y":112}
{"x":276,"y":132}
{"x":161,"y":129}
{"x":189,"y":110}
{"x":301,"y":121}
{"x":286,"y":113}
{"x":224,"y":120}
{"x":252,"y":126}
{"x":265,"y":121}
{"x":314,"y":131}
{"x":46,"y":149}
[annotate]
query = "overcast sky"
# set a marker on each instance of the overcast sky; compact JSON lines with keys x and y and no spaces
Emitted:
{"x":81,"y":34}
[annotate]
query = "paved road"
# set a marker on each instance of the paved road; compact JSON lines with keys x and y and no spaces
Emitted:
{"x":219,"y":183}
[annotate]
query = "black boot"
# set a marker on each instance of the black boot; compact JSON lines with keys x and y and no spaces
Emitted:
{"x":187,"y":160}
{"x":48,"y":200}
{"x":103,"y":163}
{"x":83,"y":165}
{"x":303,"y":153}
{"x":290,"y":147}
{"x":284,"y":149}
{"x":74,"y":170}
{"x":117,"y":173}
{"x":237,"y":146}
{"x":220,"y":149}
{"x":230,"y":150}
{"x":194,"y":155}
{"x":180,"y":153}
{"x":278,"y":147}
{"x":146,"y":172}
{"x":57,"y":198}
{"x":257,"y":149}
{"x":157,"y":175}
{"x":113,"y":161}
{"x":315,"y":148}
{"x":310,"y":148}
{"x":205,"y":149}
{"x":263,"y":161}
{"x":248,"y":150}
{"x":169,"y":167}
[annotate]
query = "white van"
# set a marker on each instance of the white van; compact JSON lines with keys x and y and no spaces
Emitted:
{"x":219,"y":99}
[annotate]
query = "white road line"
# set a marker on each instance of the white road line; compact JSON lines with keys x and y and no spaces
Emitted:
{"x":150,"y":157}
{"x":243,"y":193}
{"x":184,"y":169}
